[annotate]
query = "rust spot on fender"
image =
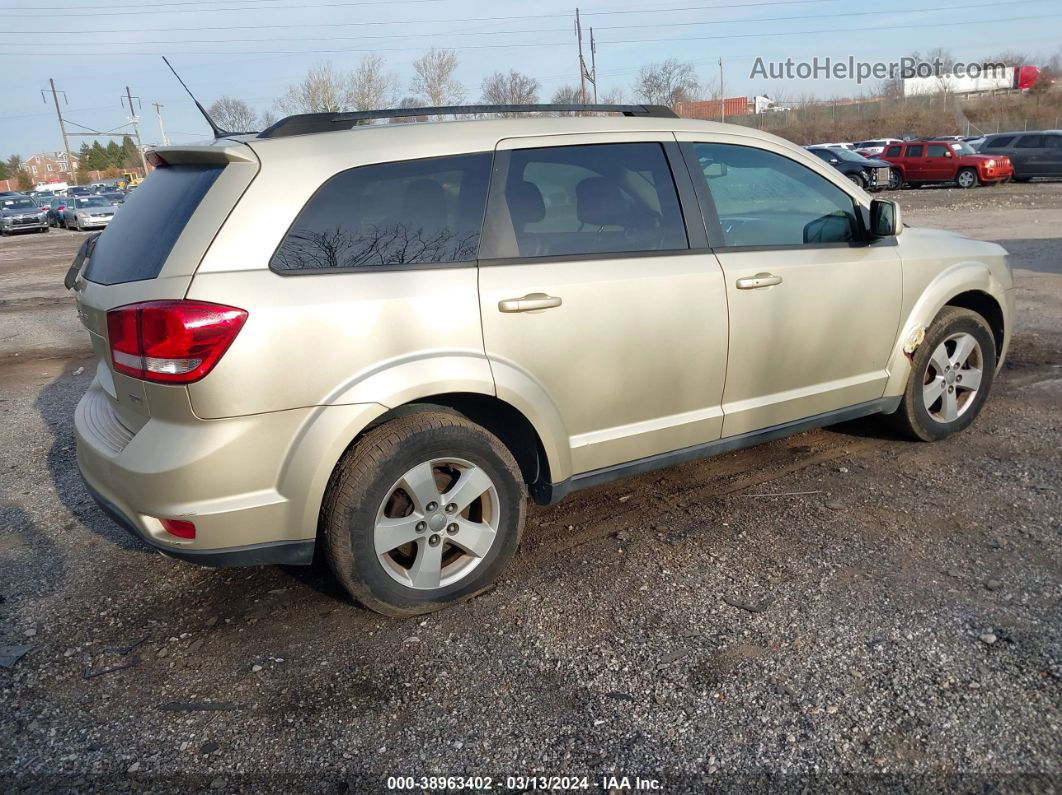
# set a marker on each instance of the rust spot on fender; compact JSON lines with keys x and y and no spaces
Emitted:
{"x":914,"y":340}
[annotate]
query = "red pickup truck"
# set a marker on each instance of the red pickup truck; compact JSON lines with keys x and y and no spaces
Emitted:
{"x":919,"y":162}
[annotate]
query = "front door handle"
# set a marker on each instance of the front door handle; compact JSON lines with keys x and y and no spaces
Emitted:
{"x":757,"y":281}
{"x":529,"y":303}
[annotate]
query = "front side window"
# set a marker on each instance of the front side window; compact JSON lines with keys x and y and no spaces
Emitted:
{"x":416,"y":212}
{"x":766,"y":199}
{"x":592,"y":199}
{"x":1000,"y":142}
{"x":1053,"y":141}
{"x":937,"y":150}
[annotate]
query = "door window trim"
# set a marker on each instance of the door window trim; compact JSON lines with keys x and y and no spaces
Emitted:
{"x":715,"y":229}
{"x":497,"y":221}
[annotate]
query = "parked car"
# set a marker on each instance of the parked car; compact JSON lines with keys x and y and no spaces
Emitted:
{"x":874,"y":148}
{"x":56,"y":211}
{"x":382,"y":338}
{"x":87,"y":212}
{"x":872,"y":175}
{"x":78,"y":190}
{"x":19,"y":213}
{"x":922,"y":162}
{"x":1034,"y":154}
{"x":114,"y":197}
{"x":850,"y":146}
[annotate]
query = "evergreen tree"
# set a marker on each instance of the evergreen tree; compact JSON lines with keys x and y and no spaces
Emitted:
{"x":114,"y":155}
{"x":84,"y":156}
{"x":98,"y":158}
{"x":4,"y":174}
{"x":130,"y":155}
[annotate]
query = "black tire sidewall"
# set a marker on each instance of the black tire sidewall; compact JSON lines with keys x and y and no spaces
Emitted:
{"x":927,"y":427}
{"x":368,"y":580}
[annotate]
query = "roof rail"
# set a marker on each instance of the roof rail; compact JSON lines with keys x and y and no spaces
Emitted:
{"x":306,"y":123}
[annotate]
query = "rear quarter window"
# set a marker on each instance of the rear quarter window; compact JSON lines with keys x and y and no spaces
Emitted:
{"x":141,"y":236}
{"x":411,"y":213}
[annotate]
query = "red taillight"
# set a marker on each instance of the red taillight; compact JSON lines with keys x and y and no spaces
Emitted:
{"x":171,"y":342}
{"x":178,"y":527}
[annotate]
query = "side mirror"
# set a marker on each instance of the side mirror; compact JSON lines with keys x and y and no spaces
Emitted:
{"x":885,"y":218}
{"x":949,"y":153}
{"x":834,"y":161}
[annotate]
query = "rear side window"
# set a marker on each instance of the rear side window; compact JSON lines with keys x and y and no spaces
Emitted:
{"x":592,"y":199}
{"x":1000,"y":142}
{"x":140,"y":237}
{"x":893,"y":151}
{"x":417,"y":212}
{"x":1030,"y":142}
{"x":1053,"y":141}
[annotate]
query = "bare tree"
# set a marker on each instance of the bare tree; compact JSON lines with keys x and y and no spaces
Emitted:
{"x":513,"y":88}
{"x":323,"y":90}
{"x":614,"y":96}
{"x":371,"y":87}
{"x":267,"y":119}
{"x":666,"y":83}
{"x":233,"y":114}
{"x":433,"y":79}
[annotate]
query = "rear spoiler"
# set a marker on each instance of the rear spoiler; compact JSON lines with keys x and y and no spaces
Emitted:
{"x":83,"y":255}
{"x":217,"y":155}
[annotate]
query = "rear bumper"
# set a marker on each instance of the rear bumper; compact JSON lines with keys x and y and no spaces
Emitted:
{"x":278,"y":553}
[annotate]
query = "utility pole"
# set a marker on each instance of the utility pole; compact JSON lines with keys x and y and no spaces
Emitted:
{"x":162,"y":130}
{"x":722,"y":94}
{"x":582,"y":63}
{"x":133,"y":118}
{"x":59,"y":114}
{"x":593,"y":63}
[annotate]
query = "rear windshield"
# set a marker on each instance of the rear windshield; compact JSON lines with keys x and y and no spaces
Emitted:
{"x":136,"y":243}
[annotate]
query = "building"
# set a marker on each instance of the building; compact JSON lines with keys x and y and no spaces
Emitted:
{"x":51,"y":167}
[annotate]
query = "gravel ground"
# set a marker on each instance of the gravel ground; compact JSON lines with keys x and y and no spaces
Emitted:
{"x":840,"y":610}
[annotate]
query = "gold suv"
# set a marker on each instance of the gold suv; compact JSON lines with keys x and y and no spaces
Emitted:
{"x":381,"y":338}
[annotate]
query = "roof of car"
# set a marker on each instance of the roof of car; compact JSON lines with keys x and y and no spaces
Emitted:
{"x":412,"y":140}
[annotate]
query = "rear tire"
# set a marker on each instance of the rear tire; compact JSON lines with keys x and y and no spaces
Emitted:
{"x":392,"y":486}
{"x":939,"y":401}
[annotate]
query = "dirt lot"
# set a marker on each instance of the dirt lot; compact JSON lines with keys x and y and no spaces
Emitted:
{"x":891,"y":622}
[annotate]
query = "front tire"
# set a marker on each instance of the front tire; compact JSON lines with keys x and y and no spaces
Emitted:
{"x":951,"y":375}
{"x":967,"y":178}
{"x":895,"y":179}
{"x":422,"y":512}
{"x":857,"y":180}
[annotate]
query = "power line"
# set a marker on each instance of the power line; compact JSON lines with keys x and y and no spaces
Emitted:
{"x":510,"y":45}
{"x":439,"y":21}
{"x":924,"y":10}
{"x":81,"y":12}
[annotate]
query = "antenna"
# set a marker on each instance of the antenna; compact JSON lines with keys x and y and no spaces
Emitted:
{"x":218,"y":131}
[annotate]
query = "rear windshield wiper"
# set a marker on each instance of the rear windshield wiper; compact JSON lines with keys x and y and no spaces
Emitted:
{"x":83,"y":253}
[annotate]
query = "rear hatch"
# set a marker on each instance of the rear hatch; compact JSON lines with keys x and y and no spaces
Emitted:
{"x":150,"y":251}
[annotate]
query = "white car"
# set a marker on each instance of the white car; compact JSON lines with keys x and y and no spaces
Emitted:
{"x":87,"y":212}
{"x":875,"y":147}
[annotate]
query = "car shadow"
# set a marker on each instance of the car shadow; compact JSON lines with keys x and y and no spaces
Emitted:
{"x":56,"y":403}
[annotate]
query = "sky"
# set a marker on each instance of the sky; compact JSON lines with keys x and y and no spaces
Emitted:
{"x":254,"y":49}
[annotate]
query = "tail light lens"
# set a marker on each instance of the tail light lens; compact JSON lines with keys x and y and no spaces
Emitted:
{"x":171,"y":342}
{"x":179,"y":528}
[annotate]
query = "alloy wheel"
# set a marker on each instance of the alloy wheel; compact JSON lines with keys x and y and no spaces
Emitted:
{"x":437,"y":523}
{"x":952,"y":377}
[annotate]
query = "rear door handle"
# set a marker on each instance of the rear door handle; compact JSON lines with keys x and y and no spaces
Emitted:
{"x":757,"y":281}
{"x":529,"y":303}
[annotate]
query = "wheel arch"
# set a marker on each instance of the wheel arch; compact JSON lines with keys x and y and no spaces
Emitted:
{"x":969,"y":285}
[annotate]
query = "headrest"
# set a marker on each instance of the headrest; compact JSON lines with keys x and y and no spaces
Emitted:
{"x":425,"y":203}
{"x":525,"y":202}
{"x":599,"y":202}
